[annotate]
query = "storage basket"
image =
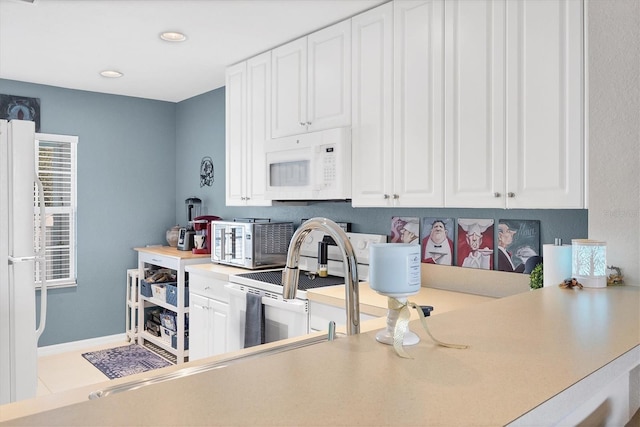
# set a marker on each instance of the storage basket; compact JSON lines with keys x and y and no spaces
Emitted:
{"x":174,"y":340}
{"x":159,"y":291}
{"x":172,"y":294}
{"x":168,"y":321}
{"x":145,"y":289}
{"x":168,"y":336}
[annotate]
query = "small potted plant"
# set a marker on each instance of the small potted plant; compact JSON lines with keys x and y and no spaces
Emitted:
{"x":536,"y":277}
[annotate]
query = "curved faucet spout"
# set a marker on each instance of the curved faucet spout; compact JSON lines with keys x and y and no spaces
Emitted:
{"x":290,"y":274}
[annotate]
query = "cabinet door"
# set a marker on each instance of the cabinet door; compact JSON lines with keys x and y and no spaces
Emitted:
{"x":289,"y":89}
{"x":474,"y":107}
{"x":235,"y":140}
{"x":372,"y":103}
{"x":418,"y":103}
{"x":199,"y":327}
{"x":218,"y":324}
{"x":258,"y":128}
{"x":329,"y":77}
{"x":544,"y":104}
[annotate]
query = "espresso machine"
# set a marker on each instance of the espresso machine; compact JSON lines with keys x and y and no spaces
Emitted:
{"x":185,"y":236}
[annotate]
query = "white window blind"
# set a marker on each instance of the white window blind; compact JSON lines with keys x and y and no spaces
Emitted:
{"x":57,"y":166}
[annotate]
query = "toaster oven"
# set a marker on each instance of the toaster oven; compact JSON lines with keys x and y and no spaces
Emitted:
{"x":250,"y":243}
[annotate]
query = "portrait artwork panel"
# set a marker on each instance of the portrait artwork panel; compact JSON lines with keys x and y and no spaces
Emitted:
{"x":475,"y":243}
{"x":14,"y":107}
{"x":405,"y":230}
{"x":518,"y":245}
{"x":438,"y":240}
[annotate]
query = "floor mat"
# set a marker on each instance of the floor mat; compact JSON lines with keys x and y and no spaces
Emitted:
{"x":127,"y":360}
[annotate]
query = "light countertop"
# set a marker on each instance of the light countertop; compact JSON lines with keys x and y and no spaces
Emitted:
{"x":524,"y":350}
{"x":374,"y":304}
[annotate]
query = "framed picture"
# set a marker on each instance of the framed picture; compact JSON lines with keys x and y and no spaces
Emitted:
{"x":475,"y":243}
{"x":405,"y":230}
{"x":518,"y":247}
{"x":437,"y":240}
{"x":14,"y":107}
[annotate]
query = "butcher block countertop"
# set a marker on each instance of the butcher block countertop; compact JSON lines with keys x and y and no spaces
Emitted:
{"x":524,"y":350}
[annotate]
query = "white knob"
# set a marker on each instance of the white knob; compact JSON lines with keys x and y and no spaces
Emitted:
{"x":362,"y":244}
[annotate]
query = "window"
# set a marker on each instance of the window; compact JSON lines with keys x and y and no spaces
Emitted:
{"x":57,"y":164}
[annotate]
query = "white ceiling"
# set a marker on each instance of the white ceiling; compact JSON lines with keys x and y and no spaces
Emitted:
{"x":66,"y":43}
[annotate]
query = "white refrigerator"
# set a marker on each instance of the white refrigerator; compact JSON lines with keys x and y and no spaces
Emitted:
{"x":18,"y":260}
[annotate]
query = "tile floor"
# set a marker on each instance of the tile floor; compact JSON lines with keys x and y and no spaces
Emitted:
{"x":65,"y":371}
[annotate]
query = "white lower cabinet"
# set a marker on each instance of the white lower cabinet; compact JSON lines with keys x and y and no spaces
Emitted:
{"x":209,"y":322}
{"x":321,"y":314}
{"x":208,"y":319}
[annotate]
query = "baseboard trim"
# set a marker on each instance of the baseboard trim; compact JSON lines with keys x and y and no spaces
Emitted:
{"x":80,"y":345}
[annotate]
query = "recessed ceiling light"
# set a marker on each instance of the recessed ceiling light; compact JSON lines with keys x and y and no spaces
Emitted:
{"x":112,"y":74}
{"x":173,"y":36}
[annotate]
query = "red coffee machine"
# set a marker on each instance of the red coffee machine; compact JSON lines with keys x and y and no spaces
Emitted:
{"x":202,"y":237}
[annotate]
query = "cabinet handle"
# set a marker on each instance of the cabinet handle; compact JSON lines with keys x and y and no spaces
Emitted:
{"x":308,"y":123}
{"x":156,"y":260}
{"x":302,"y":124}
{"x":386,"y":196}
{"x":496,"y":194}
{"x":510,"y":194}
{"x":396,"y":197}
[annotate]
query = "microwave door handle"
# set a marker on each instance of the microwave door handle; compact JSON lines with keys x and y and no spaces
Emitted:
{"x":294,"y":305}
{"x":220,"y":234}
{"x":232,"y":243}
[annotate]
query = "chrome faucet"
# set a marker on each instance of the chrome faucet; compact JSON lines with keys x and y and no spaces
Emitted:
{"x":291,"y":273}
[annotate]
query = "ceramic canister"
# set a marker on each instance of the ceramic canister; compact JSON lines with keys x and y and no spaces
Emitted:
{"x":394,"y":269}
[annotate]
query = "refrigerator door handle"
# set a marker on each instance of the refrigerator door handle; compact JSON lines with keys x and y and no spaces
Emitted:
{"x":14,"y":259}
{"x":42,"y":257}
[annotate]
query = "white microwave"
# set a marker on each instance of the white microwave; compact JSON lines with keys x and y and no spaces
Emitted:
{"x":311,"y":166}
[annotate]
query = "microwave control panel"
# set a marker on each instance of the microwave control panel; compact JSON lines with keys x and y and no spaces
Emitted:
{"x":329,"y":165}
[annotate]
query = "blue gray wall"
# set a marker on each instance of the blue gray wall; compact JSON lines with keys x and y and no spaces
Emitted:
{"x":126,"y":197}
{"x":138,"y":160}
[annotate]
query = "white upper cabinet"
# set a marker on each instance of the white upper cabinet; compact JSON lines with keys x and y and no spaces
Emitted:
{"x":514,"y":111}
{"x":474,"y":106}
{"x":311,"y":82}
{"x":397,"y":105}
{"x":372,"y":121}
{"x":545,"y":119}
{"x":418,"y":100}
{"x":248,"y":96}
{"x":235,"y":130}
